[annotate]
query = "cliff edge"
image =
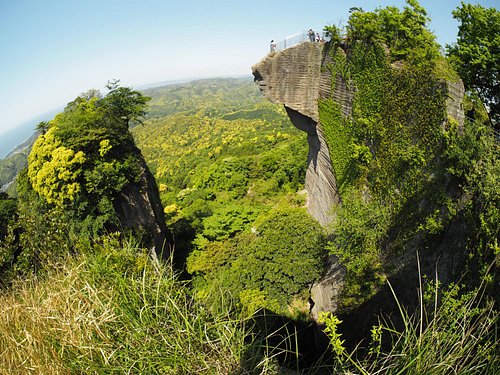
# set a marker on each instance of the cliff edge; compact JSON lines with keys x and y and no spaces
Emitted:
{"x":295,"y":79}
{"x":304,"y":76}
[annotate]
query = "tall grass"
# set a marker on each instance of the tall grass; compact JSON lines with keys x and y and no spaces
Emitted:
{"x":455,"y":332}
{"x":461,"y":337}
{"x":116,"y":311}
{"x":113,"y":310}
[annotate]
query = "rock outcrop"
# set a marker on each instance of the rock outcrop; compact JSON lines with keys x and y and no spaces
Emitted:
{"x":298,"y":78}
{"x":295,"y":79}
{"x":139,"y":208}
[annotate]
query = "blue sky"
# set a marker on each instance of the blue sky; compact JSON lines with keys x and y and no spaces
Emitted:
{"x":52,"y":50}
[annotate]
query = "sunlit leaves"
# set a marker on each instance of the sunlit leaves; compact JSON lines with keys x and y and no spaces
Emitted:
{"x":476,"y":55}
{"x":54,"y":170}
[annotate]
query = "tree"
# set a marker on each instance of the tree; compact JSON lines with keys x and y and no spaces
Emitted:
{"x":405,"y":32}
{"x":42,"y":127}
{"x":87,"y":155}
{"x":125,"y":104}
{"x":476,"y":54}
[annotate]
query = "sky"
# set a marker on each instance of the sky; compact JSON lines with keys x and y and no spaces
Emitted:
{"x":53,"y":50}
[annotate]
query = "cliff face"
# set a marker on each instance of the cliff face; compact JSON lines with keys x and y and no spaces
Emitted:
{"x":294,"y":78}
{"x":139,"y":208}
{"x":299,"y":78}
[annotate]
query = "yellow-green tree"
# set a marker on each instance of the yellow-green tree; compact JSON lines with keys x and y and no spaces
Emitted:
{"x":76,"y":170}
{"x":54,"y":170}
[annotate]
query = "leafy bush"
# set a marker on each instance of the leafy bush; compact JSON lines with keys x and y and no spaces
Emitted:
{"x":283,"y":256}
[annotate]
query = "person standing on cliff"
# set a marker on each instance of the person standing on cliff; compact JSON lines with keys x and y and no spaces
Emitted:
{"x":273,"y":45}
{"x":310,"y":33}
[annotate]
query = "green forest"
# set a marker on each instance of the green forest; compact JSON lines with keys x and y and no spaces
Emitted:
{"x":85,"y":288}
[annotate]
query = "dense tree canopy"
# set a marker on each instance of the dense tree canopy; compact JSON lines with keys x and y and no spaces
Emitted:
{"x":476,"y":54}
{"x":87,"y":155}
{"x":404,"y":32}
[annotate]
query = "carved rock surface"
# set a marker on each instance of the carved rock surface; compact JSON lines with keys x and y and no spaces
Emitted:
{"x":293,"y":78}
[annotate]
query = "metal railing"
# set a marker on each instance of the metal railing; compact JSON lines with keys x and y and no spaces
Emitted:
{"x":294,"y":39}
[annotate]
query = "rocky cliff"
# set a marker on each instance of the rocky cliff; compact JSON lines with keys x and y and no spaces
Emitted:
{"x":299,"y":78}
{"x":295,"y":79}
{"x":139,"y":208}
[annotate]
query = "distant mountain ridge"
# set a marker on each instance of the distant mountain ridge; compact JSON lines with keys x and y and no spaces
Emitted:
{"x":14,"y":162}
{"x":16,"y":136}
{"x":170,"y":98}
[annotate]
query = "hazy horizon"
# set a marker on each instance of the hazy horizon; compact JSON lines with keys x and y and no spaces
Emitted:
{"x":13,"y":137}
{"x":54,"y":50}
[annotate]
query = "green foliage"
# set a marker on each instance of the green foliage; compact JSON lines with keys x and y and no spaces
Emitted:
{"x":471,"y":158}
{"x":476,"y":54}
{"x":360,"y":228}
{"x":221,"y":165}
{"x":406,"y":173}
{"x":404,"y":32}
{"x":225,"y":223}
{"x":7,"y":213}
{"x":54,"y":170}
{"x":87,"y":156}
{"x":338,"y":137}
{"x":331,"y":323}
{"x":457,"y":332}
{"x":334,"y":33}
{"x":124,"y":104}
{"x":284,"y":254}
{"x":76,"y":169}
{"x":230,"y":174}
{"x":111,"y":309}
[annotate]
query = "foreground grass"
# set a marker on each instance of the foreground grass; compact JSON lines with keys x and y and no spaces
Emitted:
{"x":457,"y":335}
{"x":115,"y":311}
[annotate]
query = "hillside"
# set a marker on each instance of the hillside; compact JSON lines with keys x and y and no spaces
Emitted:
{"x":223,"y":172}
{"x":13,"y":163}
{"x":338,"y":215}
{"x":213,"y":96}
